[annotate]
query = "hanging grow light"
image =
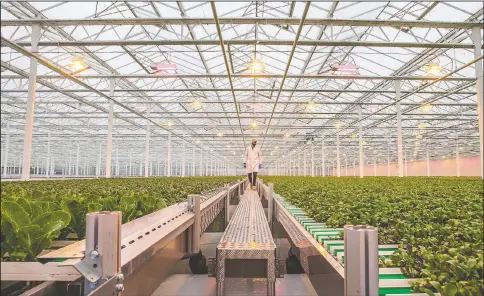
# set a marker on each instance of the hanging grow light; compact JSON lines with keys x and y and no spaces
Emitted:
{"x":345,"y":68}
{"x":256,"y":66}
{"x":220,"y":135}
{"x":311,"y":106}
{"x":421,"y":126}
{"x":434,"y":69}
{"x":426,"y":107}
{"x":77,"y":64}
{"x":197,"y":104}
{"x":337,"y":125}
{"x":419,"y":136}
{"x":253,"y":124}
{"x":165,"y":68}
{"x":287,"y":135}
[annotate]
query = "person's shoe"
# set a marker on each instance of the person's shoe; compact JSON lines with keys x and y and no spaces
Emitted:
{"x":252,"y":187}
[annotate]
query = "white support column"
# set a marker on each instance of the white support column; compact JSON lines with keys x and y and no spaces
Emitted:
{"x":361,"y":164}
{"x":77,"y":160}
{"x":388,"y":160}
{"x":109,"y":143}
{"x":7,"y":144}
{"x":98,"y":164}
{"x":338,"y":165}
{"x":47,"y":171}
{"x":117,"y":161}
{"x":428,"y":162}
{"x":184,"y":157}
{"x":193,"y":161}
{"x":211,"y":165}
{"x":405,"y":163}
{"x":70,"y":164}
{"x":457,"y":159}
{"x":130,"y":171}
{"x":305,"y":162}
{"x":399,"y":130}
{"x":200,"y":169}
{"x":168,"y":158}
{"x":323,"y":171}
{"x":29,"y":120}
{"x":374,"y":167}
{"x":312,"y":160}
{"x":354,"y":167}
{"x":477,"y":40}
{"x":346,"y":166}
{"x":207,"y":159}
{"x":147,"y":141}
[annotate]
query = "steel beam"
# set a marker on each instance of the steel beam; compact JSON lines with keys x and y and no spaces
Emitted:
{"x":208,"y":42}
{"x":302,"y":90}
{"x":238,"y":21}
{"x":250,"y":76}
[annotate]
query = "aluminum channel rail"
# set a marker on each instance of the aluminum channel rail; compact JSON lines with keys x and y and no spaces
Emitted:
{"x":247,"y":237}
{"x":141,"y":239}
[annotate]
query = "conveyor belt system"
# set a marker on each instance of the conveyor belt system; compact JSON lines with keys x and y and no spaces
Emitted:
{"x":391,"y":280}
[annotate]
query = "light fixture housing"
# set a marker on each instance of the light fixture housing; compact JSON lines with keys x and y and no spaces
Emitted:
{"x":253,"y":124}
{"x":433,"y":69}
{"x":426,"y":107}
{"x":256,"y":66}
{"x":349,"y":68}
{"x":197,"y":104}
{"x":164,"y":68}
{"x":311,"y":106}
{"x":220,"y":135}
{"x":77,"y":64}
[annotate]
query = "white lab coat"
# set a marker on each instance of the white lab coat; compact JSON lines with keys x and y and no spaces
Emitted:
{"x":252,"y":159}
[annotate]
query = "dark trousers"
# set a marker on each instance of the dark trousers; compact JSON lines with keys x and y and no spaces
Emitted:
{"x":252,"y":177}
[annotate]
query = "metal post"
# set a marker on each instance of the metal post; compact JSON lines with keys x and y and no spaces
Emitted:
{"x":147,"y":143}
{"x":227,"y":205}
{"x":457,"y":160}
{"x":477,"y":40}
{"x":7,"y":144}
{"x":305,"y":162}
{"x":194,"y":205}
{"x":103,"y":249}
{"x":405,"y":162}
{"x":98,"y":164}
{"x":117,"y":162}
{"x":183,"y":158}
{"x":360,"y":141}
{"x":388,"y":160}
{"x":109,"y":144}
{"x":47,"y":171}
{"x":207,"y":157}
{"x":270,"y":203}
{"x":322,"y":158}
{"x":338,"y":165}
{"x":361,"y":260}
{"x":312,"y":160}
{"x":29,"y":120}
{"x":77,"y":160}
{"x":428,"y":162}
{"x":168,"y":158}
{"x":399,"y":130}
{"x":130,"y":163}
{"x":200,"y":170}
{"x":70,"y":164}
{"x":193,"y":161}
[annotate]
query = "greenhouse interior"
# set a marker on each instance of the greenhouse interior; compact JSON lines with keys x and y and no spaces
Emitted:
{"x":289,"y":148}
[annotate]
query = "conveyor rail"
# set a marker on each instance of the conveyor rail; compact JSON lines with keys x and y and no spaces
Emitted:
{"x":247,"y":249}
{"x":329,"y":244}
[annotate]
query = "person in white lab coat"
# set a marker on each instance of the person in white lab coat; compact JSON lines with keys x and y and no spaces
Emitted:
{"x":252,"y":162}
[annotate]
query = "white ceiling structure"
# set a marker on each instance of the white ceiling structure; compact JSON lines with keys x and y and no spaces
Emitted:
{"x":213,"y":102}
